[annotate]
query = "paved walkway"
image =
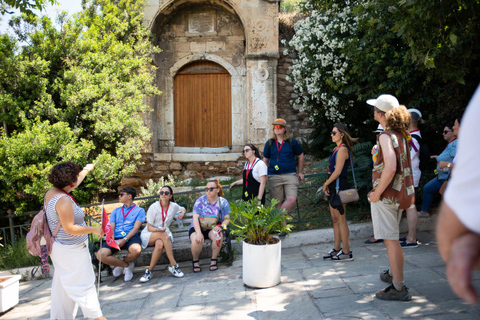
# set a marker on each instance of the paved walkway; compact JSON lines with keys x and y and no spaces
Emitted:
{"x":311,"y":288}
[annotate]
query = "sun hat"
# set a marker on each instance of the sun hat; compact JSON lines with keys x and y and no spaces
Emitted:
{"x":384,"y":102}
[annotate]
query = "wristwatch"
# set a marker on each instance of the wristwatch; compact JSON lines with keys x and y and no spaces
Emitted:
{"x":449,"y":165}
{"x":126,"y":240}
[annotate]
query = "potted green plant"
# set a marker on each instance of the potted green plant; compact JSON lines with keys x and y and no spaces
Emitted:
{"x":261,"y":251}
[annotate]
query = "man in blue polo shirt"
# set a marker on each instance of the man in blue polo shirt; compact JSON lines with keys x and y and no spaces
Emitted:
{"x":279,"y":155}
{"x":125,"y":221}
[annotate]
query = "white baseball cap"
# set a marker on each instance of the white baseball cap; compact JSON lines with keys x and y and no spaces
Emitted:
{"x":413,"y":110}
{"x":384,"y":102}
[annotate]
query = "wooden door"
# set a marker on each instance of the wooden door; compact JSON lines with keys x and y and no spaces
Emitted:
{"x":203,"y":116}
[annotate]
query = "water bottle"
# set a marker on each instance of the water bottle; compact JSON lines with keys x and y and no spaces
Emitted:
{"x":218,"y":237}
{"x":179,"y":221}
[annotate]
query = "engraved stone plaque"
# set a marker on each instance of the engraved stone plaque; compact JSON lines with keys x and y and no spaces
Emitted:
{"x":201,"y":22}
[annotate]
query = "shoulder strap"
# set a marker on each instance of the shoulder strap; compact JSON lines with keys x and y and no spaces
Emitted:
{"x":290,"y":141}
{"x":59,"y":224}
{"x":337,"y":187}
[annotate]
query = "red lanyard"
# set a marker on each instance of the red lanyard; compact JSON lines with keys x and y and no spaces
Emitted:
{"x":249,"y":168}
{"x":164,"y":217}
{"x":68,"y":195}
{"x":279,"y":148}
{"x":123,"y":214}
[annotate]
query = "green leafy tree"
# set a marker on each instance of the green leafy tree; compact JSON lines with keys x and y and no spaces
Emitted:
{"x":78,"y":90}
{"x":350,"y":51}
{"x":25,"y":6}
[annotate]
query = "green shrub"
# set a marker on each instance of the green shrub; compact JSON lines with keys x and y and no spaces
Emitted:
{"x":17,"y":256}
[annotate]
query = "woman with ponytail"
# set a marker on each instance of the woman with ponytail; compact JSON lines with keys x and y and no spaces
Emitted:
{"x":254,"y":175}
{"x":214,"y":207}
{"x":337,"y":169}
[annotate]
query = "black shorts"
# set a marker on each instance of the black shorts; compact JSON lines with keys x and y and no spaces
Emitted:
{"x":204,"y":232}
{"x":132,"y":240}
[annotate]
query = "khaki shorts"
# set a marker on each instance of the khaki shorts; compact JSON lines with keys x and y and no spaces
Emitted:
{"x":386,"y":220}
{"x":282,"y":186}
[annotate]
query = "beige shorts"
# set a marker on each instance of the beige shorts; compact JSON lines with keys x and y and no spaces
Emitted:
{"x":282,"y":186}
{"x":386,"y":219}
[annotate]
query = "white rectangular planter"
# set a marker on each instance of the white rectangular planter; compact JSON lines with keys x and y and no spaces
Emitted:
{"x":9,"y":292}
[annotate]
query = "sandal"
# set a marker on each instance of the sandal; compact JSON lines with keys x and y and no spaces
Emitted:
{"x":196,"y":269}
{"x":213,"y":265}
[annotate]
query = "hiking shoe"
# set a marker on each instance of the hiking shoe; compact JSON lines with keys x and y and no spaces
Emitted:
{"x":117,"y":272}
{"x":147,"y":276}
{"x":129,"y":271}
{"x":405,"y":244}
{"x":340,"y":256}
{"x":175,"y":270}
{"x":385,"y":277}
{"x":423,"y":214}
{"x":390,"y":293}
{"x":331,"y":253}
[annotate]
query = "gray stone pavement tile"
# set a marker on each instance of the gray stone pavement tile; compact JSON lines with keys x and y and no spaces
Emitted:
{"x":291,"y":275}
{"x":328,"y":293}
{"x":285,"y":301}
{"x":436,"y":292}
{"x":317,"y":281}
{"x":39,"y":310}
{"x":316,"y":251}
{"x":423,"y":276}
{"x":163,"y":299}
{"x":446,"y":316}
{"x":297,"y":255}
{"x":205,"y":291}
{"x":296,"y":264}
{"x":370,"y":283}
{"x":231,"y":310}
{"x":425,"y":260}
{"x":459,"y":306}
{"x":363,"y":315}
{"x":124,"y":310}
{"x":419,"y":306}
{"x":37,"y":294}
{"x":183,"y":313}
{"x":441,"y":270}
{"x":352,"y":303}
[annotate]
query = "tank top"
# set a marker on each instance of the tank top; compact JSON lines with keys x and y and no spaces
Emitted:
{"x":53,"y":220}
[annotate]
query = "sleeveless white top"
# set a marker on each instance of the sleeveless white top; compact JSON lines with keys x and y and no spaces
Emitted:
{"x":53,"y":220}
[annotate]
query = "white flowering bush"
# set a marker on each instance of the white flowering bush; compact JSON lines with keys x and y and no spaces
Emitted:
{"x":320,"y":72}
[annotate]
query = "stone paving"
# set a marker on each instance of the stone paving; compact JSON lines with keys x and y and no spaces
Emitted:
{"x":311,"y":288}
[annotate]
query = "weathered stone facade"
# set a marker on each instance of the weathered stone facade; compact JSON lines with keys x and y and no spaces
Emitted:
{"x":241,"y":36}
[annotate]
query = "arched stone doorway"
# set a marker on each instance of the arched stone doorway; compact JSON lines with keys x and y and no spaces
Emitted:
{"x":202,"y":104}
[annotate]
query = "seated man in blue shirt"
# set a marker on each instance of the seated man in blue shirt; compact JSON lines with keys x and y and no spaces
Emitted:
{"x":125,"y":221}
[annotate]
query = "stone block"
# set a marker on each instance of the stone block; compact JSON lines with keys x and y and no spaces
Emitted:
{"x":132,"y":182}
{"x":176,"y":166}
{"x":176,"y":173}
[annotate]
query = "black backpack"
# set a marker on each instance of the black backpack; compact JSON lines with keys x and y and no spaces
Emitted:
{"x":424,"y":153}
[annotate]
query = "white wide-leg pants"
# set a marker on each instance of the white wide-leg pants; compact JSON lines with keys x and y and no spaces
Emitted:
{"x":73,"y":282}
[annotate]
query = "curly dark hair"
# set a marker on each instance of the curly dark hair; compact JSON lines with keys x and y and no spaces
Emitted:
{"x":64,"y":174}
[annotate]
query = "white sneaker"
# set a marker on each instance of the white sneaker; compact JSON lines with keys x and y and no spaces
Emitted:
{"x":117,"y":272}
{"x":175,"y":270}
{"x":147,"y":276}
{"x":129,"y":272}
{"x":423,"y":214}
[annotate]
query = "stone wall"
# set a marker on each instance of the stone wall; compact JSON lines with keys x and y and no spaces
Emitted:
{"x":298,"y":122}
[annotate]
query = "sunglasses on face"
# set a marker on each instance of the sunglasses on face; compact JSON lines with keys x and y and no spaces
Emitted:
{"x":277,"y":127}
{"x":247,"y":150}
{"x":446,"y":131}
{"x":122,"y":194}
{"x":210,"y":189}
{"x":167,"y":193}
{"x":333,"y":133}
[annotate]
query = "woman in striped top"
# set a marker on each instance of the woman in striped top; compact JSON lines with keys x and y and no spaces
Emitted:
{"x":73,"y":282}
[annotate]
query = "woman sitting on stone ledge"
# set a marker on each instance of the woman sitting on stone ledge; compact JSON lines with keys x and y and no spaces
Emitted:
{"x":157,"y":232}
